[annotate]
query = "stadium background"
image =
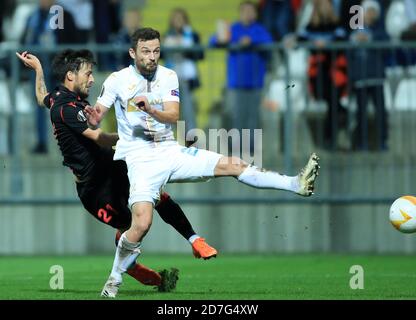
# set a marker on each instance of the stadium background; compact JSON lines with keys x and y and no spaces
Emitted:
{"x":40,"y":213}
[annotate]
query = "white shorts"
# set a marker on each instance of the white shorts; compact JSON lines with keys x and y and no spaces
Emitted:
{"x":150,"y":169}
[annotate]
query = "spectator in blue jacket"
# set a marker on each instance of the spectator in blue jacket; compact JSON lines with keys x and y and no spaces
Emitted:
{"x":246,"y":68}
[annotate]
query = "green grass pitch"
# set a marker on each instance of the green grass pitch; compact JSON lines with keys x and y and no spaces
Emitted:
{"x":228,"y":277}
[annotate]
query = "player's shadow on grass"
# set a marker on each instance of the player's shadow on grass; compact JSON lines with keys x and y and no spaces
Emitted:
{"x":98,"y":291}
{"x":64,"y":291}
{"x":224,"y":292}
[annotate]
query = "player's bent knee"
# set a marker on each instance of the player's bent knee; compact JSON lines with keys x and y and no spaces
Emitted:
{"x":142,"y":226}
{"x":142,"y":217}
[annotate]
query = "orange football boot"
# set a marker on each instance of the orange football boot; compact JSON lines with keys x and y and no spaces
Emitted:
{"x":201,"y":249}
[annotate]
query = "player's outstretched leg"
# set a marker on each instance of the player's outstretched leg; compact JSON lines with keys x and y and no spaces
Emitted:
{"x":144,"y":275}
{"x":302,"y":184}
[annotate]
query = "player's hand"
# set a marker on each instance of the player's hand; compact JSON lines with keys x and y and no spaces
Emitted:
{"x":143,"y":104}
{"x":29,"y":60}
{"x":93,"y":115}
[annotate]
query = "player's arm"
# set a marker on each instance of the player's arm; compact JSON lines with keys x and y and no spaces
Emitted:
{"x":168,"y":97}
{"x":76,"y":120}
{"x":33,"y":62}
{"x":169,"y":114}
{"x":104,"y":102}
{"x":100,"y":137}
{"x":95,"y":114}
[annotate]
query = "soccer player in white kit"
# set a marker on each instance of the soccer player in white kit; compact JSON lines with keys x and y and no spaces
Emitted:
{"x":146,"y":100}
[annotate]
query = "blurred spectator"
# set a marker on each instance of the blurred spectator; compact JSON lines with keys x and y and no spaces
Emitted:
{"x":107,"y":22}
{"x":96,"y":21}
{"x":366,"y":73}
{"x":278,"y":17}
{"x":410,"y":32}
{"x":132,"y":20}
{"x":346,"y":16}
{"x":327,"y":68}
{"x":180,"y":34}
{"x":7,"y":8}
{"x":81,"y":11}
{"x":39,"y":33}
{"x":246,"y":68}
{"x":399,"y":27}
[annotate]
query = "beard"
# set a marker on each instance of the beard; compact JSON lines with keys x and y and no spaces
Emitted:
{"x":147,"y":69}
{"x":83,"y":94}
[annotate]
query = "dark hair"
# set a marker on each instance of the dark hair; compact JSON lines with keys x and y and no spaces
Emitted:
{"x":143,"y":34}
{"x":180,"y":11}
{"x":70,"y":60}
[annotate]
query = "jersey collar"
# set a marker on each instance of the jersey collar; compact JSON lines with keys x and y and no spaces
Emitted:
{"x":62,"y":88}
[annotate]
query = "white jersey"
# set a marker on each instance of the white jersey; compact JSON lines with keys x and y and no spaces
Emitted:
{"x":136,"y":128}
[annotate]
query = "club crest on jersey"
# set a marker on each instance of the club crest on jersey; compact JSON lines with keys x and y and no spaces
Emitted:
{"x":175,"y":92}
{"x":81,"y":116}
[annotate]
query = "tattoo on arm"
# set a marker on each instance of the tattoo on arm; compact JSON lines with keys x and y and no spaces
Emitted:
{"x":41,"y":90}
{"x":41,"y":85}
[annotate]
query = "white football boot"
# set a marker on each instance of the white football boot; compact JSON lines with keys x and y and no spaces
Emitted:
{"x":111,"y":287}
{"x":308,"y":175}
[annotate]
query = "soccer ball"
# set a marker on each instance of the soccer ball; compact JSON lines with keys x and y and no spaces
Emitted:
{"x":403,"y":214}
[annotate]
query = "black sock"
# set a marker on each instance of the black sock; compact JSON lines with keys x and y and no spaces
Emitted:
{"x":172,"y":214}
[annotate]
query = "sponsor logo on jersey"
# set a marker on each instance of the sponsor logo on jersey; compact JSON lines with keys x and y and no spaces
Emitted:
{"x":81,"y":116}
{"x":175,"y":92}
{"x":131,"y":106}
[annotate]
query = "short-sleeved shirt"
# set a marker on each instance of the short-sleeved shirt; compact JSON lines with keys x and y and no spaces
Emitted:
{"x":82,"y":155}
{"x":136,"y":128}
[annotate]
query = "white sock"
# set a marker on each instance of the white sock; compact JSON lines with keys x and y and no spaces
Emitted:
{"x":256,"y":178}
{"x":126,"y":254}
{"x":193,"y":238}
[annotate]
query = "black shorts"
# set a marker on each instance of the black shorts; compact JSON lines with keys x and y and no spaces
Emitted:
{"x":105,"y":196}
